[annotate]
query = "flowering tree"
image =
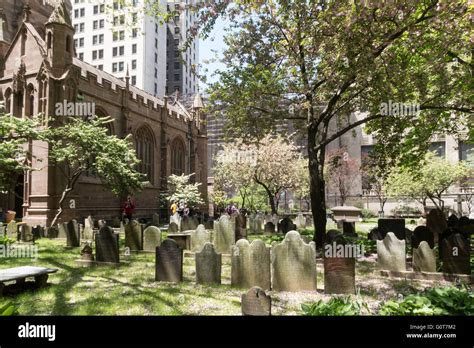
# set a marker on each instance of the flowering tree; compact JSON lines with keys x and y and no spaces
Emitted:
{"x":342,"y":172}
{"x":181,"y":189}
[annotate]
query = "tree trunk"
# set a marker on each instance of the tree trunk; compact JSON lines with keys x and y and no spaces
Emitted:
{"x":60,"y":208}
{"x":317,"y":187}
{"x":271,"y":196}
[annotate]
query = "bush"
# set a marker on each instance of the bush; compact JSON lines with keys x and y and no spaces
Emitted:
{"x":336,"y":306}
{"x":368,"y":214}
{"x":8,"y":309}
{"x":437,"y":301}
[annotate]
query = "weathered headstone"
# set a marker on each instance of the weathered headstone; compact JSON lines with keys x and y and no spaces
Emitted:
{"x":286,"y":225}
{"x":62,"y":230}
{"x":420,"y":234}
{"x":269,"y":227}
{"x":38,"y":232}
{"x":106,"y":246}
{"x":424,"y":259}
{"x":72,"y":234}
{"x":339,"y":275}
{"x":208,"y":265}
{"x":455,"y":254}
{"x":12,"y":229}
{"x":240,"y":227}
{"x":396,"y":226}
{"x":250,"y":264}
{"x":199,"y":238}
{"x":176,"y":219}
{"x":300,"y":221}
{"x":26,"y":233}
{"x":189,"y":223}
{"x":391,"y":253}
{"x":173,"y":228}
{"x":348,"y":229}
{"x":293,"y":264}
{"x":437,"y":223}
{"x":256,"y":302}
{"x":151,"y":238}
{"x":169,"y":262}
{"x":133,"y":235}
{"x":155,"y":220}
{"x":224,"y":234}
{"x":89,"y":222}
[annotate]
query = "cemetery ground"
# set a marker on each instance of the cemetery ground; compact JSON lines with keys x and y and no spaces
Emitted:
{"x":131,"y":289}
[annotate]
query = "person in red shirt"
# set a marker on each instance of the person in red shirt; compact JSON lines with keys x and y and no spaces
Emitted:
{"x":128,"y":208}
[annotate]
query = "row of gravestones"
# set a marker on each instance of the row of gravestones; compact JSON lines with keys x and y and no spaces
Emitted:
{"x":272,"y":224}
{"x":454,"y":252}
{"x":292,"y":264}
{"x":187,"y":223}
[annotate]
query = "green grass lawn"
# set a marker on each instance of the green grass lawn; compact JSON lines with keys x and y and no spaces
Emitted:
{"x":132,"y":290}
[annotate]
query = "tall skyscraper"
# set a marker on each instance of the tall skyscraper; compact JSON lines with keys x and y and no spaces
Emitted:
{"x":112,"y":38}
{"x":181,"y":65}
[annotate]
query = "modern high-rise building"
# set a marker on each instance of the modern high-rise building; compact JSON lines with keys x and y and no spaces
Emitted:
{"x":113,"y":38}
{"x":181,"y":65}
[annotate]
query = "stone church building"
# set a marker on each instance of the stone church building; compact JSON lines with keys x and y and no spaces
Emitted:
{"x":38,"y":69}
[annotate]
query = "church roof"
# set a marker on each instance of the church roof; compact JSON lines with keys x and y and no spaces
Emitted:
{"x":60,"y":15}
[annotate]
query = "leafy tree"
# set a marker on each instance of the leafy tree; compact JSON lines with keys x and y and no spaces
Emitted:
{"x":78,"y":147}
{"x":181,"y":189}
{"x":342,"y":172}
{"x":374,"y":175}
{"x":324,"y":60}
{"x":14,"y":155}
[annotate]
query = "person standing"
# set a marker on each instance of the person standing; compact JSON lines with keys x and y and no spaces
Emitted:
{"x":173,"y":208}
{"x":128,"y":208}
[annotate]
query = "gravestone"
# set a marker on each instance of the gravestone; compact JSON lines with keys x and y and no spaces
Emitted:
{"x":286,"y":225}
{"x":424,"y":259}
{"x":73,"y":238}
{"x":133,"y":235}
{"x":199,"y":238}
{"x":209,"y":224}
{"x":293,"y":264}
{"x":3,"y":230}
{"x":151,"y":238}
{"x":250,"y":264}
{"x":455,"y":254}
{"x":374,"y":234}
{"x":391,"y":253}
{"x":396,"y":226}
{"x":208,"y":265}
{"x":51,"y":232}
{"x":256,"y":302}
{"x":116,"y":222}
{"x":38,"y":232}
{"x":169,"y":262}
{"x":62,"y":230}
{"x":173,"y":228}
{"x":189,"y":223}
{"x":269,"y":227}
{"x":258,"y":225}
{"x":437,"y":223}
{"x":176,"y":219}
{"x":300,"y":221}
{"x":87,"y":232}
{"x":106,"y":245}
{"x":12,"y":229}
{"x":240,"y":227}
{"x":224,"y":234}
{"x":420,"y":234}
{"x":26,"y":233}
{"x":452,"y":220}
{"x":89,"y":222}
{"x":339,"y":275}
{"x":334,"y":236}
{"x":155,"y":220}
{"x":348,"y":229}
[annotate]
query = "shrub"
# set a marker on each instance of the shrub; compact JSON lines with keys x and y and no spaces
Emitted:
{"x":8,"y":309}
{"x":367,"y":214}
{"x":437,"y":301}
{"x":336,"y":306}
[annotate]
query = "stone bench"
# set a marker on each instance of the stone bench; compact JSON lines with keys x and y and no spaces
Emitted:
{"x":19,"y":274}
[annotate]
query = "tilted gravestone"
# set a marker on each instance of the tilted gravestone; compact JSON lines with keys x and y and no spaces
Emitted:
{"x":269,"y":227}
{"x":26,"y":233}
{"x":73,"y":238}
{"x":391,"y":253}
{"x":240,"y":227}
{"x":250,"y":264}
{"x":455,"y":254}
{"x":286,"y":225}
{"x":106,"y":245}
{"x":199,"y":238}
{"x":293,"y":264}
{"x":339,"y":275}
{"x":151,"y":238}
{"x":173,"y":228}
{"x":300,"y":221}
{"x":224,"y":234}
{"x":256,"y":302}
{"x":169,"y":262}
{"x":437,"y":223}
{"x":396,"y":226}
{"x":208,"y":265}
{"x":424,"y":259}
{"x":420,"y":234}
{"x":12,"y":229}
{"x":133,"y":235}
